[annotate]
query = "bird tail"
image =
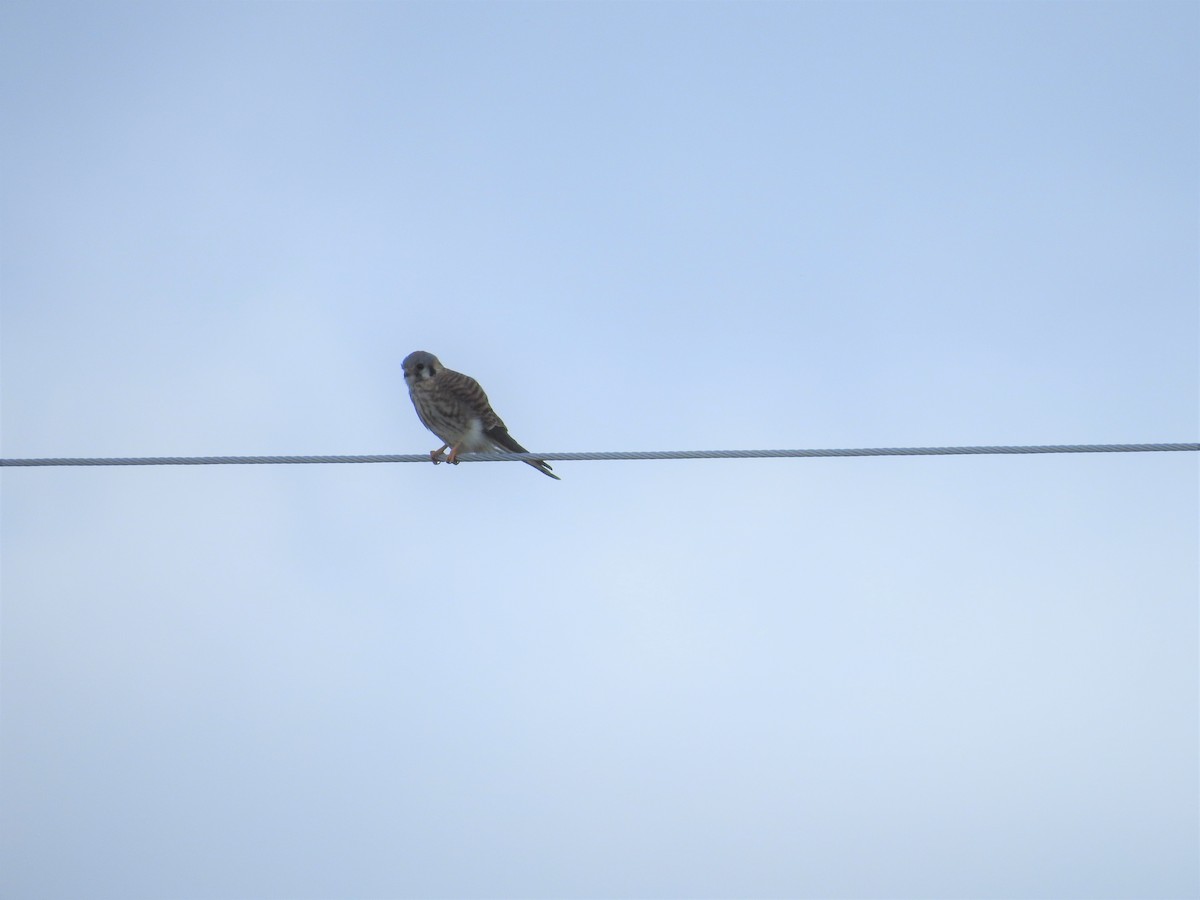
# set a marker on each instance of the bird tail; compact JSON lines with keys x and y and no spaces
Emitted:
{"x":505,"y":441}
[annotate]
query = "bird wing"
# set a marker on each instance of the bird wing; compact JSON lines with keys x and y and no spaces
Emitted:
{"x":467,"y":391}
{"x":501,"y":436}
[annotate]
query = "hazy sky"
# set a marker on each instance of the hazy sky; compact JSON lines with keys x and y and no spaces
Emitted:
{"x":640,"y":226}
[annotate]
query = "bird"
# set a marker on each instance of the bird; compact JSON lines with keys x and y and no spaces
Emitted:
{"x":454,"y":407}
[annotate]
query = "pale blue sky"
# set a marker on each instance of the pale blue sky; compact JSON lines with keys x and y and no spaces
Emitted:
{"x":641,"y":226}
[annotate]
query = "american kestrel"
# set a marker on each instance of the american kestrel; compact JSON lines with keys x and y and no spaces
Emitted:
{"x":454,"y":407}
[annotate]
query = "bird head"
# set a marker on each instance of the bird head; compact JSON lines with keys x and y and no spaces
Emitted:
{"x":420,"y":366}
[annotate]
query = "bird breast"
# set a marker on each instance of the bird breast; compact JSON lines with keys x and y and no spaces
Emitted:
{"x":449,"y":419}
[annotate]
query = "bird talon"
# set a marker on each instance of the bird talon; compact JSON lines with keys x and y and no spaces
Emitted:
{"x":436,"y":455}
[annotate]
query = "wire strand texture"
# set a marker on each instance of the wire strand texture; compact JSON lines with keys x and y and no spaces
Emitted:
{"x":600,"y":455}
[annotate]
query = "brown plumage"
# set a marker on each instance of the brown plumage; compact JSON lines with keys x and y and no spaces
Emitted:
{"x":454,"y":407}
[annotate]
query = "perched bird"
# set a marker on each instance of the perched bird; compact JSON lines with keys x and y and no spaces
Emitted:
{"x":454,"y":407}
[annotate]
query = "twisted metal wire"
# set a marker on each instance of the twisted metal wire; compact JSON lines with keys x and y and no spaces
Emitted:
{"x":601,"y":455}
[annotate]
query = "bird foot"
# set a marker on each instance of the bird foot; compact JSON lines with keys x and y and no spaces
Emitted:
{"x":453,"y":457}
{"x":436,"y":455}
